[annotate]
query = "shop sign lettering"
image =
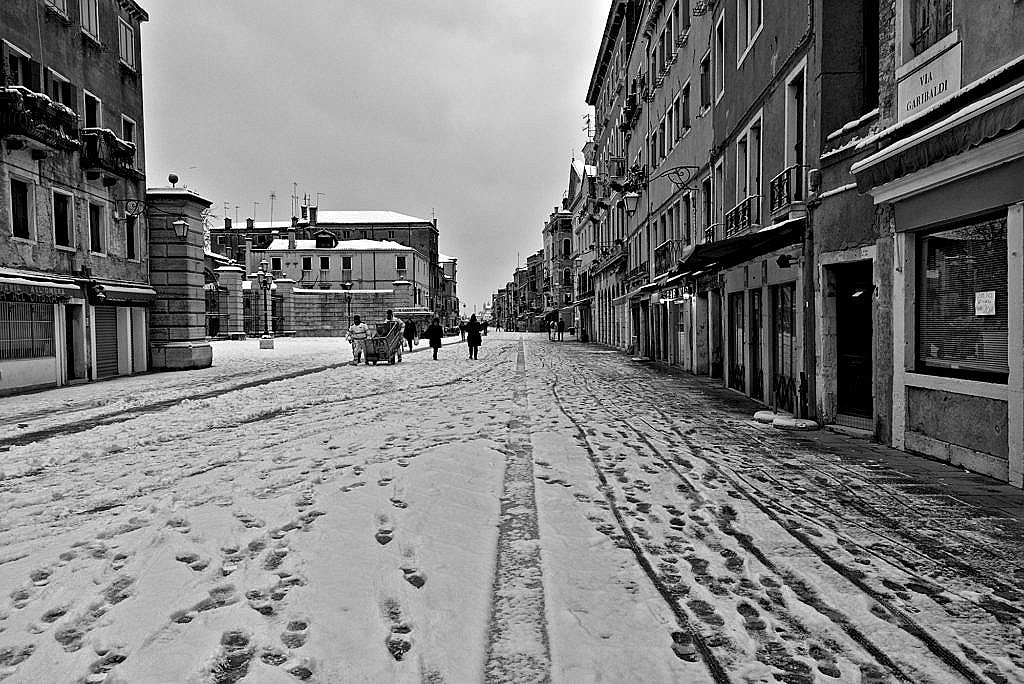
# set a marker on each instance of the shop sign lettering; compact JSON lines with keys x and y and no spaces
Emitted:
{"x":933,"y":81}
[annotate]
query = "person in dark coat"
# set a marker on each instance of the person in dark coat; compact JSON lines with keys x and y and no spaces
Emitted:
{"x":561,"y":329}
{"x":434,"y":333}
{"x":409,"y":332}
{"x":473,"y":336}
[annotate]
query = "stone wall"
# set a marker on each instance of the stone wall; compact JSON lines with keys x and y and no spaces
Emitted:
{"x":326,"y":313}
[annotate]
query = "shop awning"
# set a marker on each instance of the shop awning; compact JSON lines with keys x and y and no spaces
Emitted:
{"x":623,"y":298}
{"x":970,"y":126}
{"x":128,"y":293}
{"x":29,"y":289}
{"x":736,"y":250}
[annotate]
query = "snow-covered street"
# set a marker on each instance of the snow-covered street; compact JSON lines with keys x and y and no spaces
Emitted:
{"x":550,"y":512}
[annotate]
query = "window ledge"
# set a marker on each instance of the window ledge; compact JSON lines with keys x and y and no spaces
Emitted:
{"x":65,"y":248}
{"x":916,"y":62}
{"x":99,"y":254}
{"x":91,"y":40}
{"x":943,"y":383}
{"x":26,"y":241}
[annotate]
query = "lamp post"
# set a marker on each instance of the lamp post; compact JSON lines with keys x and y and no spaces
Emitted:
{"x":347,"y":286}
{"x":265,"y":279}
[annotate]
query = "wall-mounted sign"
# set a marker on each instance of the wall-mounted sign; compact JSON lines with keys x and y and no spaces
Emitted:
{"x":985,"y":303}
{"x":934,"y":80}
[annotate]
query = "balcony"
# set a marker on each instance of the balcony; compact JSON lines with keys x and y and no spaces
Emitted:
{"x":617,"y":167}
{"x":104,"y":151}
{"x":667,"y":256}
{"x":713,"y":233}
{"x":608,"y":256}
{"x":638,"y":275}
{"x":35,"y":117}
{"x":786,"y":190}
{"x":740,"y":218}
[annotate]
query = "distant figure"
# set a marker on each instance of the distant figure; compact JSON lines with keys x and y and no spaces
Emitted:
{"x":485,"y":327}
{"x":389,"y":317}
{"x":551,"y":331}
{"x":497,"y":326}
{"x":409,"y":333}
{"x":462,"y":330}
{"x":561,"y":329}
{"x":473,"y":336}
{"x":358,"y":333}
{"x":434,"y":333}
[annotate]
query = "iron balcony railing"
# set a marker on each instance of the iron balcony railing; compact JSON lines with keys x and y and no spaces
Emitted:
{"x":104,"y":151}
{"x":740,"y":218}
{"x":639,"y":274}
{"x":35,"y":116}
{"x":786,"y":189}
{"x":667,"y":256}
{"x":713,"y":233}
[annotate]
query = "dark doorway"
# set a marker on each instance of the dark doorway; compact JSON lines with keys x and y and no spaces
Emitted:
{"x":784,"y":363}
{"x":854,"y":294}
{"x":756,"y":372}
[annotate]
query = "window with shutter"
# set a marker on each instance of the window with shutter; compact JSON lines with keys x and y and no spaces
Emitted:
{"x":962,"y":315}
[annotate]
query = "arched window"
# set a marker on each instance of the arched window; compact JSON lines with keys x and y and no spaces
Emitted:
{"x":566,"y":277}
{"x":566,"y":248}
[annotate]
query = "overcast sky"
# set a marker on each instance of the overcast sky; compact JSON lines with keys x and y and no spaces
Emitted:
{"x":469,"y":108}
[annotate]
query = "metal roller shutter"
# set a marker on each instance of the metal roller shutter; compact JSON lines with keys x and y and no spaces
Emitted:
{"x":106,"y":341}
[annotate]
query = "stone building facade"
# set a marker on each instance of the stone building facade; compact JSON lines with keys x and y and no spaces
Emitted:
{"x":74,"y":257}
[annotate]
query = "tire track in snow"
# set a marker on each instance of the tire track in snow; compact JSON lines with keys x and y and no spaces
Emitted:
{"x":708,"y":657}
{"x":518,"y":648}
{"x":902,"y":618}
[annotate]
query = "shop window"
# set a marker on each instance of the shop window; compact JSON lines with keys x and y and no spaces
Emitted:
{"x":962,"y":314}
{"x":26,"y":330}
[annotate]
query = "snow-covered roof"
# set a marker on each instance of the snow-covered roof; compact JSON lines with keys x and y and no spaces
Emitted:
{"x":441,"y":258}
{"x":281,"y":245}
{"x":365,"y":217}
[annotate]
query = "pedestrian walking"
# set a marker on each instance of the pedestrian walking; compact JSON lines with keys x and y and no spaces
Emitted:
{"x":462,"y":330}
{"x":358,"y":333}
{"x":409,"y":333}
{"x":389,"y":317}
{"x":485,"y":327}
{"x":551,"y":331}
{"x":434,"y":334}
{"x":561,"y":329}
{"x":473,"y":336}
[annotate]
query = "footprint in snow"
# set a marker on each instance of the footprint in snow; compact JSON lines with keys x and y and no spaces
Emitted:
{"x":295,"y":635}
{"x":232,"y":664}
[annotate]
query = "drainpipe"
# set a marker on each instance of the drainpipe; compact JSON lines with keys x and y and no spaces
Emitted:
{"x":808,"y":376}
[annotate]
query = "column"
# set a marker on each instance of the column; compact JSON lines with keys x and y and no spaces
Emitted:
{"x":230,"y":278}
{"x":1015,"y":383}
{"x":286,"y":289}
{"x":178,"y":317}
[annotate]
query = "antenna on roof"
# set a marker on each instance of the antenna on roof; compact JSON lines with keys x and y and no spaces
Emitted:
{"x":273,"y":196}
{"x":588,"y":125}
{"x":295,"y":199}
{"x":318,"y":196}
{"x":254,"y":205}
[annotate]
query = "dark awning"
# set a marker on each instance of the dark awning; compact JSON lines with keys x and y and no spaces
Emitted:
{"x":970,"y":126}
{"x":736,"y":250}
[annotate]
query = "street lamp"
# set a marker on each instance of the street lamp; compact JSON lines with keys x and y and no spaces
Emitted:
{"x":265,"y":279}
{"x":347,"y":286}
{"x":637,"y":178}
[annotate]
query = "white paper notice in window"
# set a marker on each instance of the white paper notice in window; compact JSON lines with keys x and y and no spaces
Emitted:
{"x":985,"y":303}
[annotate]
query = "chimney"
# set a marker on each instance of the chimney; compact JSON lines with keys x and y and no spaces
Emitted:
{"x":291,"y":237}
{"x":312,"y":216}
{"x":305,"y":211}
{"x":227,"y":223}
{"x":248,"y":255}
{"x":250,"y":224}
